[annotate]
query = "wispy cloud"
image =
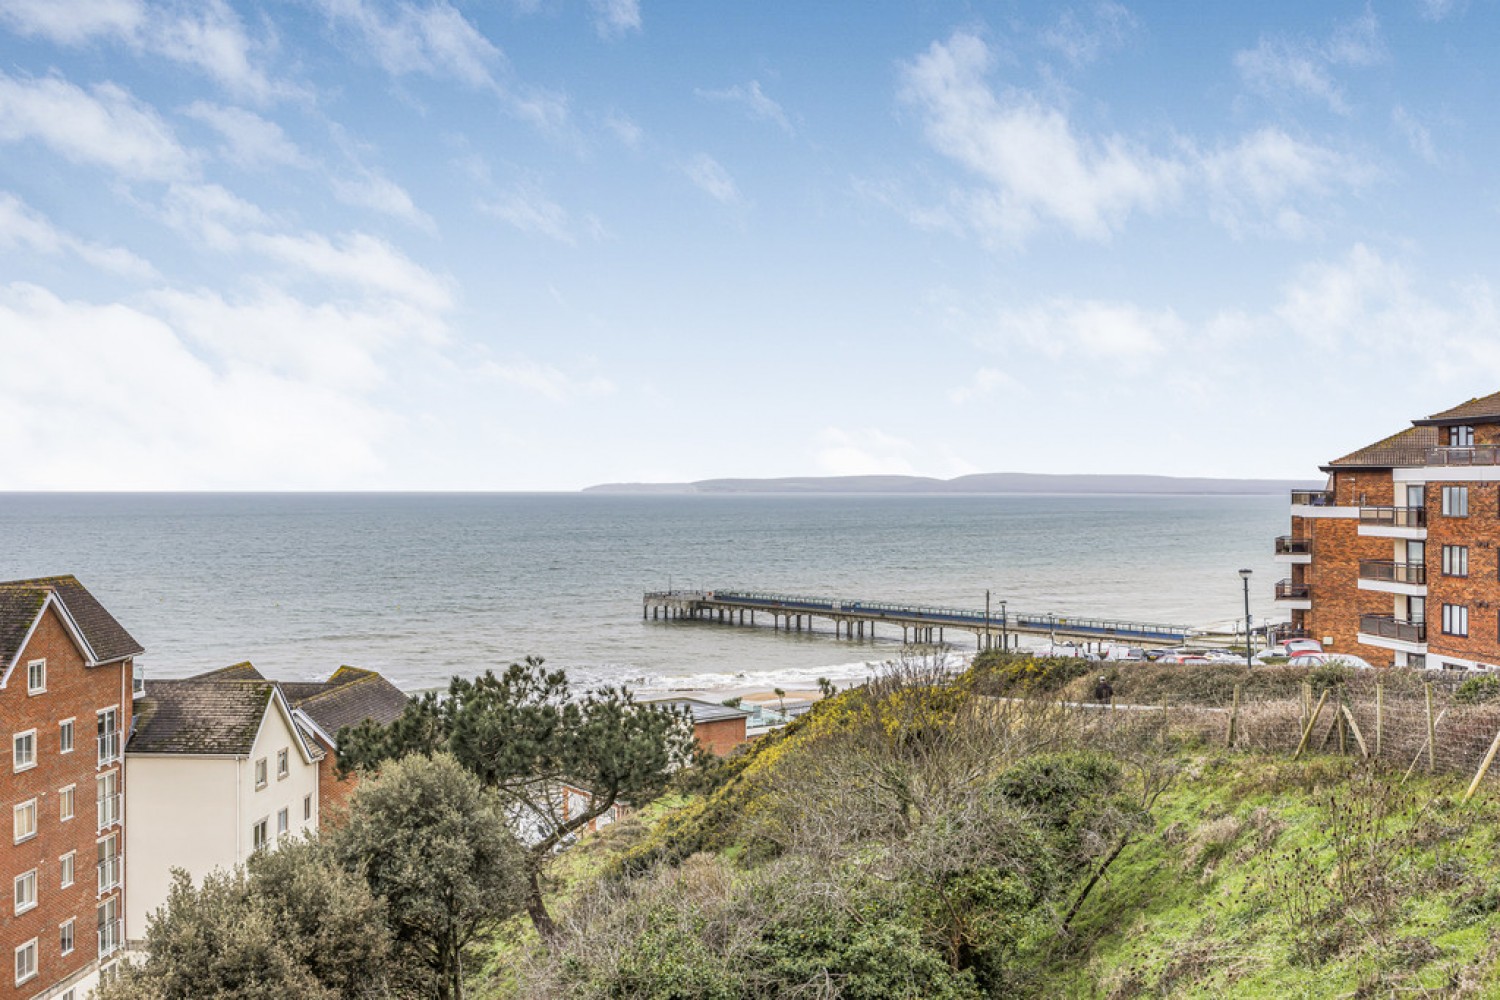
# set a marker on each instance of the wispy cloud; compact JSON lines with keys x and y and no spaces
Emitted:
{"x":1081,"y":37}
{"x":1285,"y":67}
{"x":547,"y":380}
{"x":104,"y":125}
{"x":1416,"y":134}
{"x":23,"y":228}
{"x":864,"y":451}
{"x":754,"y":100}
{"x":626,"y":130}
{"x":711,"y":177}
{"x":369,"y":189}
{"x":526,"y":208}
{"x":75,"y":22}
{"x":433,"y":40}
{"x":615,"y":18}
{"x":249,"y":140}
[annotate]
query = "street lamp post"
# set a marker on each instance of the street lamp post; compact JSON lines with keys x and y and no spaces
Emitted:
{"x":1004,"y":629}
{"x":1245,"y":577}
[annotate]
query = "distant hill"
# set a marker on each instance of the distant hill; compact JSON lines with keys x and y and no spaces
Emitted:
{"x":990,"y":482}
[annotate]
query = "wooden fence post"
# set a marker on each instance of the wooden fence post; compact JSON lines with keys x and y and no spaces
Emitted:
{"x":1431,"y":731}
{"x":1354,"y":728}
{"x":1234,"y":716}
{"x":1483,"y":768}
{"x":1379,"y":714}
{"x":1307,"y":733}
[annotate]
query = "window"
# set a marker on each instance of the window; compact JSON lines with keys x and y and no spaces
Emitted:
{"x":25,"y":750}
{"x":1455,"y":501}
{"x":1455,"y":619}
{"x":258,"y":836}
{"x":1455,"y":560}
{"x":65,"y":803}
{"x":110,"y":938}
{"x":107,"y":864}
{"x":36,"y":676}
{"x":1461,"y":436}
{"x":107,"y":790}
{"x":65,"y":937}
{"x":282,"y":768}
{"x":26,"y":891}
{"x":283,"y":823}
{"x":109,"y":736}
{"x":65,"y":866}
{"x":26,"y":961}
{"x":1417,"y":661}
{"x":25,"y":820}
{"x":260,"y":773}
{"x":65,"y":736}
{"x":306,"y":808}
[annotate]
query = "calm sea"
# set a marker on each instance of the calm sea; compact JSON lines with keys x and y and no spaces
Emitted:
{"x":423,"y":586}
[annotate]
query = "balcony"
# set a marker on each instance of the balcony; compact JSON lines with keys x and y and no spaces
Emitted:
{"x":1312,"y":498}
{"x":110,"y":872}
{"x":1394,"y":517}
{"x":109,"y":748}
{"x":1390,"y":627}
{"x":1282,"y":631}
{"x":109,"y":811}
{"x":1286,"y":545}
{"x":1390,"y":571}
{"x":1482,"y":454}
{"x":1286,"y":590}
{"x":111,"y":937}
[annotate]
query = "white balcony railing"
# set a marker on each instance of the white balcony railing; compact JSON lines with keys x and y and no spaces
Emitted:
{"x":109,"y":748}
{"x":111,"y":937}
{"x":109,"y":811}
{"x":110,"y":870}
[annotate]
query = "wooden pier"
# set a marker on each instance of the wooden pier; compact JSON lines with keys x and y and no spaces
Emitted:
{"x":918,"y":623}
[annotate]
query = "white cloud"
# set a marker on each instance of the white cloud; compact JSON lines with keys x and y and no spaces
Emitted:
{"x":74,"y":22}
{"x":249,"y":140}
{"x":1082,"y":38}
{"x":615,"y":18}
{"x":23,"y":228}
{"x":1253,"y":185}
{"x":1036,"y":167}
{"x":206,"y":35}
{"x":372,"y":190}
{"x":547,"y":381}
{"x":711,"y":177}
{"x":526,"y":208}
{"x":1282,"y":67}
{"x":1415,"y":133}
{"x":105,"y":126}
{"x":625,"y":130}
{"x":358,"y":260}
{"x":210,"y":214}
{"x":1090,"y":329}
{"x":864,"y":451}
{"x":1438,"y":10}
{"x":985,"y":381}
{"x":111,"y":396}
{"x":755,"y":102}
{"x":434,"y":40}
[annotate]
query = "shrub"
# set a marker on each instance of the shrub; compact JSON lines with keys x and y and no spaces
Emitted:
{"x":1478,"y":690}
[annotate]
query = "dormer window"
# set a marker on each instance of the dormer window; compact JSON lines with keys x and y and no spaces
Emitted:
{"x":1461,"y":436}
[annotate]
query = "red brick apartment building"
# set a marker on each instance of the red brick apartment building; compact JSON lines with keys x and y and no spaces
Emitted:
{"x":1398,"y":559}
{"x":65,"y":701}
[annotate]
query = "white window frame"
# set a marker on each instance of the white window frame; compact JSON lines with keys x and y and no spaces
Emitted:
{"x":67,"y":803}
{"x":65,"y":736}
{"x":23,"y":809}
{"x":29,"y":736}
{"x":25,"y":892}
{"x":260,"y":774}
{"x":108,"y":806}
{"x":283,"y":821}
{"x":29,"y":950}
{"x":260,"y":834}
{"x":1461,"y":436}
{"x":306,"y":808}
{"x":283,"y":764}
{"x":1455,"y":560}
{"x":67,"y":867}
{"x":33,"y":669}
{"x":67,"y":936}
{"x":1456,"y":619}
{"x":1455,"y":501}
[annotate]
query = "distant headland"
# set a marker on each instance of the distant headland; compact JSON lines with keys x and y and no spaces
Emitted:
{"x":989,"y":482}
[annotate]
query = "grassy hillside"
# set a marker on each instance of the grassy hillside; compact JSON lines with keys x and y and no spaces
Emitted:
{"x":922,"y":838}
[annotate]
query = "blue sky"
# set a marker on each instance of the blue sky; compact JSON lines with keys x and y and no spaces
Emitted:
{"x":342,"y":244}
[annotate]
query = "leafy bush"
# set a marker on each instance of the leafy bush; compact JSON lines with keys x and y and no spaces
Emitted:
{"x":1478,"y":690}
{"x":1016,"y":674}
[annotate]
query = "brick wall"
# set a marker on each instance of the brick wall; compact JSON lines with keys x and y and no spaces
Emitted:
{"x":333,"y":793}
{"x":72,"y":691}
{"x":1480,"y":590}
{"x":1337,"y":601}
{"x":722,"y":736}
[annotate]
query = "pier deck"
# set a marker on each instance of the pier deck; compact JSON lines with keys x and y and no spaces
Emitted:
{"x":918,"y":623}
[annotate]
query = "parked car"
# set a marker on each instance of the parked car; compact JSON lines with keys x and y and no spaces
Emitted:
{"x":1295,"y":646}
{"x":1116,"y":654}
{"x":1329,"y":659}
{"x":1181,"y":656}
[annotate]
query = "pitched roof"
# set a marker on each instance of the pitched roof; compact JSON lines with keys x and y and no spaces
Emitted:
{"x":21,"y":602}
{"x":347,"y":698}
{"x":1476,"y":410}
{"x":234,"y":672}
{"x":1403,"y":449}
{"x":200,"y":716}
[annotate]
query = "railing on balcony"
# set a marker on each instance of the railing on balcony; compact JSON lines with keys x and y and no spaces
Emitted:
{"x":110,"y":871}
{"x":1286,"y":590}
{"x":1390,"y":627}
{"x":1286,"y":545}
{"x":109,"y":811}
{"x":1390,"y":571}
{"x":109,"y":748}
{"x":1394,"y":517}
{"x":1313,"y":498}
{"x":1481,"y":454}
{"x":111,"y":937}
{"x":1281,"y":632}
